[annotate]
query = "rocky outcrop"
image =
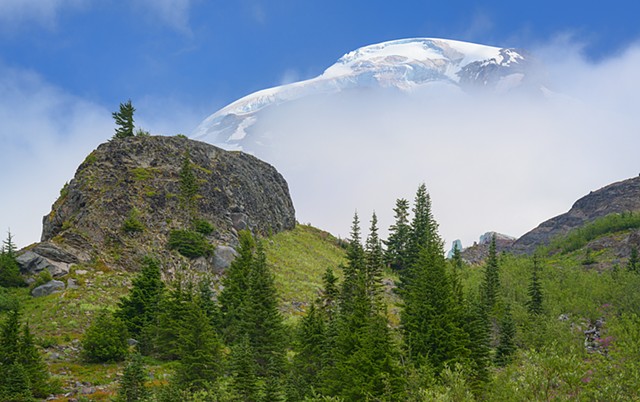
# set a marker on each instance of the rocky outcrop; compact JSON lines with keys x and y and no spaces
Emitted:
{"x":477,"y":253}
{"x":623,"y":196}
{"x":141,"y":180}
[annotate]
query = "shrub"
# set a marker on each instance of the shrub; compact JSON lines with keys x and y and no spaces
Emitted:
{"x":203,"y":226}
{"x":189,"y":243}
{"x":105,"y":340}
{"x":132,"y":224}
{"x":43,"y":277}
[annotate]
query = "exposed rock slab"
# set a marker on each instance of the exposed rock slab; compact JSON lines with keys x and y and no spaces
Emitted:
{"x":48,"y":288}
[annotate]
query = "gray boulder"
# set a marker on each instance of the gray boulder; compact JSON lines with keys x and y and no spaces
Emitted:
{"x":48,"y":288}
{"x":32,"y":263}
{"x":223,"y":257}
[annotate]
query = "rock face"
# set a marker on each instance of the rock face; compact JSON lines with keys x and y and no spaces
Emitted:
{"x":48,"y":288}
{"x":623,"y":196}
{"x":139,"y":179}
{"x":477,"y":253}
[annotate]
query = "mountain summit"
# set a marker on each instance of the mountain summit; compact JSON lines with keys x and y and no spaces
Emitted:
{"x":406,"y":66}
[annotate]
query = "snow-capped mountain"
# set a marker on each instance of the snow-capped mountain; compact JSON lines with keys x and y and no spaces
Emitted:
{"x":403,"y":66}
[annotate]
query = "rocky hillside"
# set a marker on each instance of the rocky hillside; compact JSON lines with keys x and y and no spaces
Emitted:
{"x":623,"y":196}
{"x":130,"y":196}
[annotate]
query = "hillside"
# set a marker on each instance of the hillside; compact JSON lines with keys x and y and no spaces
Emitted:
{"x":620,"y":197}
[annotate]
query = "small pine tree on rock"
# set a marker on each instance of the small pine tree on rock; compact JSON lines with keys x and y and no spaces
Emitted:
{"x":124,"y":120}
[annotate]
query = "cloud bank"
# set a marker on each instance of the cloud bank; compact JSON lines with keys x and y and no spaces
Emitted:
{"x":502,"y":163}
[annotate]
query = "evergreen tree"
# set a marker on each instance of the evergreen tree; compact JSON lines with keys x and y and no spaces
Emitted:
{"x":261,"y":319}
{"x":433,"y":318}
{"x":534,"y":304}
{"x":361,"y":362}
{"x":200,"y":351}
{"x":235,"y":288}
{"x":507,"y":346}
{"x":490,"y":286}
{"x":106,"y":339}
{"x":132,"y":383}
{"x":9,"y":268}
{"x":8,"y":247}
{"x":124,"y":120}
{"x":633,"y":265}
{"x":188,"y":182}
{"x":479,"y":331}
{"x":173,"y":317}
{"x":398,"y":240}
{"x":139,"y":310}
{"x":329,"y":294}
{"x":373,"y":262}
{"x":10,"y":338}
{"x":243,"y":371}
{"x":23,"y":374}
{"x":310,"y":345}
{"x":31,"y":360}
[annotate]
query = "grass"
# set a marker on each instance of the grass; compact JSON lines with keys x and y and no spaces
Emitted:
{"x":298,"y":259}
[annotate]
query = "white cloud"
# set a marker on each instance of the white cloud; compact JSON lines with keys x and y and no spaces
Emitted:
{"x":14,"y":13}
{"x":44,"y":135}
{"x":503,"y":164}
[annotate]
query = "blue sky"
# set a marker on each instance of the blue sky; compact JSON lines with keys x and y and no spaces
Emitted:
{"x":66,"y":64}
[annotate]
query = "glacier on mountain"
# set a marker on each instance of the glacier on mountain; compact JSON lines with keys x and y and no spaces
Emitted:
{"x":405,"y":66}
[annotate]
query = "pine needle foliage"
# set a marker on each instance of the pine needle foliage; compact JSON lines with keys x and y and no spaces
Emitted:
{"x":124,"y":120}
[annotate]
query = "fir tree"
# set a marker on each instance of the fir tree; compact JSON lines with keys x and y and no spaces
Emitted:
{"x":172,"y":319}
{"x":507,"y":346}
{"x":373,"y":262}
{"x":490,"y":286}
{"x":235,"y":288}
{"x":398,"y":239}
{"x":432,"y":319}
{"x":139,"y":310}
{"x":105,"y":340}
{"x":10,"y":333}
{"x":199,"y":353}
{"x":188,"y":182}
{"x":31,"y":360}
{"x":9,"y":268}
{"x":534,"y":304}
{"x":261,"y":319}
{"x":132,"y":383}
{"x":124,"y":120}
{"x":479,"y":331}
{"x":361,"y":362}
{"x":310,"y":345}
{"x":243,"y":371}
{"x":633,"y":265}
{"x":329,"y":294}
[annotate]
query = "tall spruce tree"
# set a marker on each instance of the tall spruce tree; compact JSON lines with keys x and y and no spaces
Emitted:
{"x":398,"y":239}
{"x":362,"y":360}
{"x":506,"y":346}
{"x":534,"y":304}
{"x":200,"y":351}
{"x":431,"y":320}
{"x":374,"y":262}
{"x":235,"y":288}
{"x":140,"y":309}
{"x":244,"y":381}
{"x":124,"y":120}
{"x":490,"y":286}
{"x":261,"y":320}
